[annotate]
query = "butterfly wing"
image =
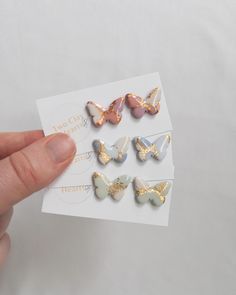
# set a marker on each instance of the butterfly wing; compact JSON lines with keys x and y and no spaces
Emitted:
{"x":142,"y":145}
{"x":162,"y":144}
{"x":117,"y":189}
{"x":161,"y":189}
{"x":136,"y":104}
{"x":120,"y":149}
{"x":152,"y":103}
{"x":113,"y":114}
{"x":105,"y":153}
{"x":102,"y":185}
{"x":118,"y":104}
{"x":143,"y":193}
{"x":97,"y":113}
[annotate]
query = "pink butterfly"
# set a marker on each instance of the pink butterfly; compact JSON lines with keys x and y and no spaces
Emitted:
{"x":112,"y":114}
{"x":139,"y":106}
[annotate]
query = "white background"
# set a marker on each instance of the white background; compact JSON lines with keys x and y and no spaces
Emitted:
{"x":50,"y":47}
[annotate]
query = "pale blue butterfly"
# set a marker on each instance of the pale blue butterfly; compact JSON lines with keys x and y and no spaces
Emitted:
{"x":157,"y":149}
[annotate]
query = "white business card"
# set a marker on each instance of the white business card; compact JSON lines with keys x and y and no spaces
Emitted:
{"x":73,"y":193}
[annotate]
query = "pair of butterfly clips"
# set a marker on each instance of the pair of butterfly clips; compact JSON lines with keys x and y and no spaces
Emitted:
{"x":145,"y":149}
{"x":138,"y":106}
{"x":144,"y":193}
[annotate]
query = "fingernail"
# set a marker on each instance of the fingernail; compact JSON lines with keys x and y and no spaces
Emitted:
{"x":60,"y":148}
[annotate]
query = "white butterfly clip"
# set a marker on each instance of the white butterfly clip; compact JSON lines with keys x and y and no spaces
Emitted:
{"x":116,"y":152}
{"x":155,"y":194}
{"x":104,"y":187}
{"x":157,"y":149}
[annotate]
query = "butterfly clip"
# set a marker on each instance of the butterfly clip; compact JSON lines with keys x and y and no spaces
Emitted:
{"x":101,"y":115}
{"x":157,"y":149}
{"x":155,"y":194}
{"x":104,"y":187}
{"x":116,"y":152}
{"x":140,"y":106}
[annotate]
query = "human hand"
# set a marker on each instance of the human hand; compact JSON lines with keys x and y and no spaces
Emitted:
{"x":28,"y":162}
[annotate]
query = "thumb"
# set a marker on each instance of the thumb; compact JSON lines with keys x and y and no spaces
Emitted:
{"x":33,"y":168}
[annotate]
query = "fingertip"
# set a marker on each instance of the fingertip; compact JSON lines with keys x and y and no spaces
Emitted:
{"x":60,"y":147}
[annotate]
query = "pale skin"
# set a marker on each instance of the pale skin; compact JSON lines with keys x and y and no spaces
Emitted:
{"x":29,"y":161}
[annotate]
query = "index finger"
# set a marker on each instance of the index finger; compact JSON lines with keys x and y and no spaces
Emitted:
{"x":11,"y":142}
